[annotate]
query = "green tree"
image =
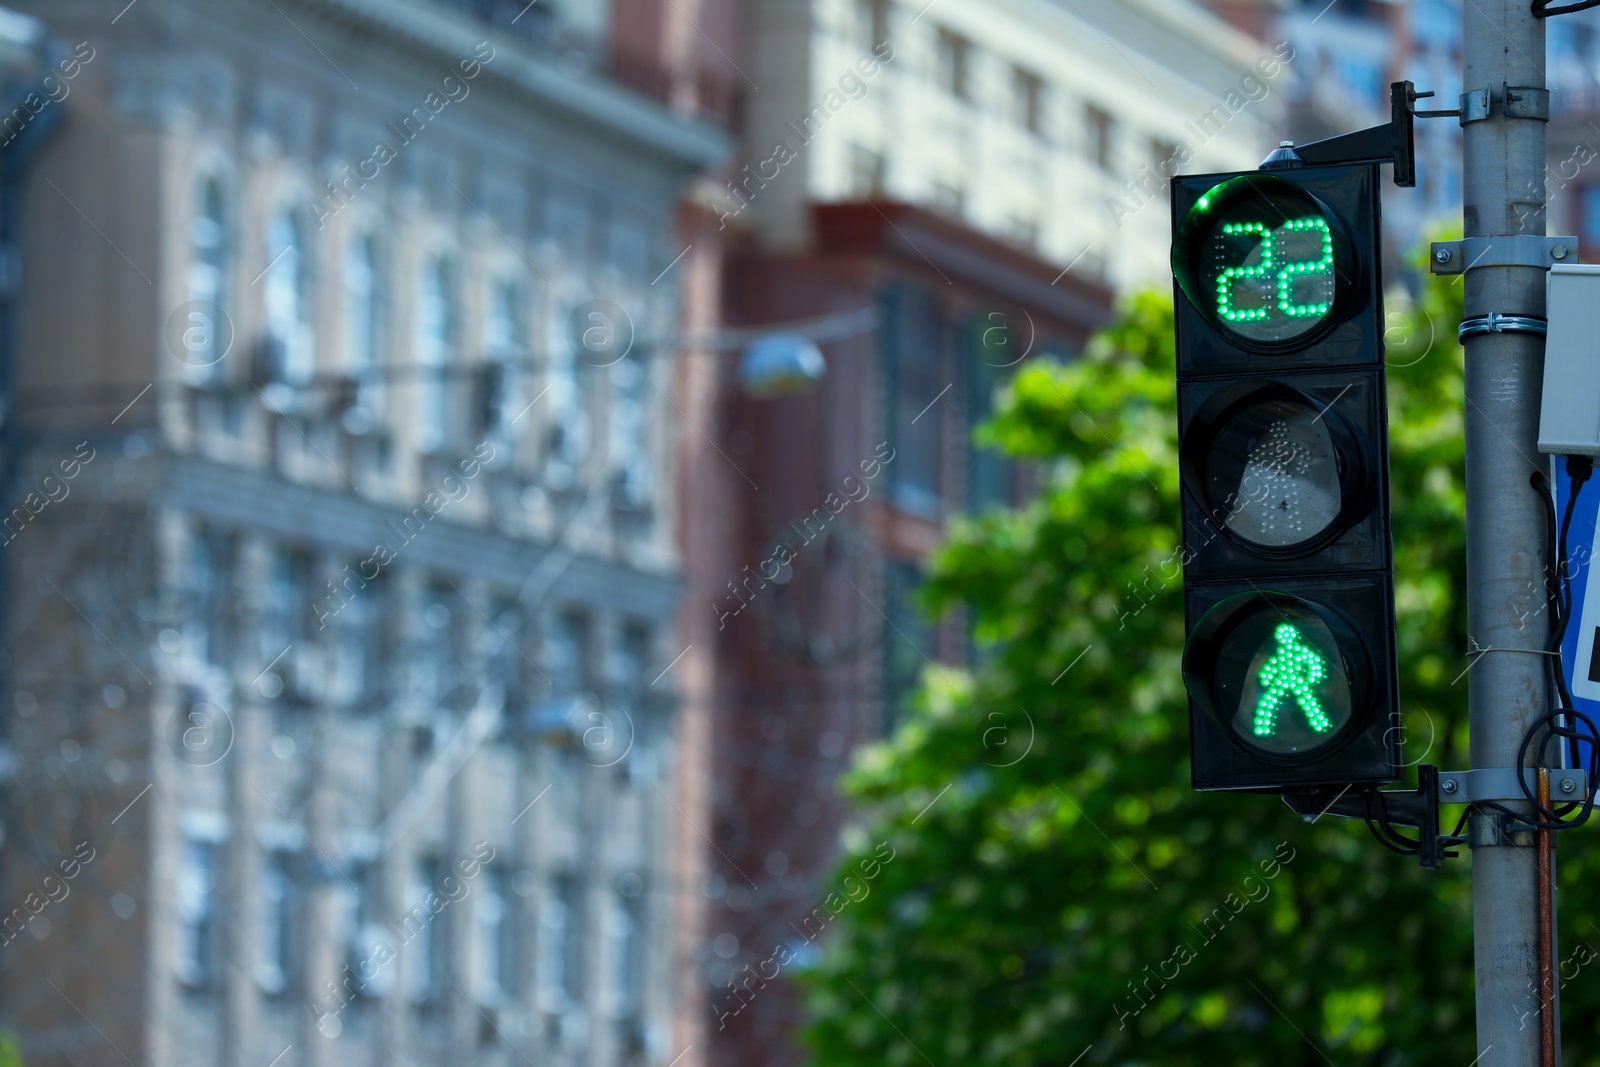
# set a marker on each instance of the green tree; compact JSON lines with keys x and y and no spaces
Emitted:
{"x":10,"y":1051}
{"x":1077,"y":894}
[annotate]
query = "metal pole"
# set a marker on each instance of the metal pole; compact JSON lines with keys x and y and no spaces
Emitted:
{"x":1504,"y":189}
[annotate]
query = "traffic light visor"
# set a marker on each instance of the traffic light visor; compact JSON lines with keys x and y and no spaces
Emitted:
{"x":1264,"y":261}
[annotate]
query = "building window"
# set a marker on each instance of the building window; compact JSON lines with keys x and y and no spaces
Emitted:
{"x":1099,"y":126}
{"x":872,"y":23}
{"x":435,"y":335}
{"x":505,"y":655}
{"x":425,"y":945}
{"x":345,"y":929}
{"x":567,"y":653}
{"x":363,"y":320}
{"x":866,"y":171}
{"x":358,"y":934}
{"x":1023,"y":230}
{"x":915,"y":371}
{"x":1589,"y":215}
{"x":623,"y":937}
{"x":1027,"y":100}
{"x":631,"y":659}
{"x":195,"y":896}
{"x":952,"y":55}
{"x":632,"y":476}
{"x":385,"y":632}
{"x":206,"y":331}
{"x":352,"y":625}
{"x":207,"y":597}
{"x":290,"y":351}
{"x":907,"y":639}
{"x":989,"y":362}
{"x":442,"y":654}
{"x":275,"y":923}
{"x":503,"y":369}
{"x":1164,"y":156}
{"x":494,"y":955}
{"x":287,"y":622}
{"x":1436,"y":24}
{"x":568,"y":405}
{"x":559,"y":945}
{"x":948,"y":198}
{"x":1362,"y":77}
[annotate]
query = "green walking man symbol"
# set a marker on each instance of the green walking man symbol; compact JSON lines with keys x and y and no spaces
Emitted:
{"x":1294,"y":670}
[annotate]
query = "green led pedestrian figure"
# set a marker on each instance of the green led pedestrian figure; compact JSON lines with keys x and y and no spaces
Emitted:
{"x":1294,"y":670}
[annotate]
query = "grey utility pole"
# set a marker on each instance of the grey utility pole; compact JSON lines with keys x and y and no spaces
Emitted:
{"x":1504,"y":193}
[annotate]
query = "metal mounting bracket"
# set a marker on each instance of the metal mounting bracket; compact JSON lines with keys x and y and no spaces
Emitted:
{"x":1527,"y":102}
{"x":1393,"y":142}
{"x":1511,"y":250}
{"x":1500,"y":783}
{"x":1488,"y":829}
{"x":1417,"y":808}
{"x":1474,"y":105}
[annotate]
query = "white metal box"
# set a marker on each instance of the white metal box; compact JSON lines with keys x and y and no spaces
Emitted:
{"x":1569,"y":416}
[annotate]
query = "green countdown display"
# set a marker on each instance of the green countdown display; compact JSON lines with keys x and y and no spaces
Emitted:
{"x":1273,"y":279}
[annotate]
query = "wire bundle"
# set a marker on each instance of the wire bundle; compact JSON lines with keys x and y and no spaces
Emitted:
{"x":1543,"y":10}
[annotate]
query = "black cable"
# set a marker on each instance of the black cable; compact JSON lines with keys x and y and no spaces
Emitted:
{"x":1385,"y":837}
{"x":1383,"y":820}
{"x":1543,"y":10}
{"x":1550,"y":819}
{"x":1552,"y":581}
{"x":1552,"y":578}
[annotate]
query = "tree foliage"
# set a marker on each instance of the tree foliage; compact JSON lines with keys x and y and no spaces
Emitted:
{"x":1056,"y":885}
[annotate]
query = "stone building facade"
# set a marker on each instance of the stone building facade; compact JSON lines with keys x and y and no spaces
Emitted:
{"x":339,"y":663}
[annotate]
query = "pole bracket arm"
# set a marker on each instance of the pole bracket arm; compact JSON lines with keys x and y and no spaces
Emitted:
{"x":1567,"y":785}
{"x":1393,"y":142}
{"x":1387,"y":808}
{"x":1508,"y":250}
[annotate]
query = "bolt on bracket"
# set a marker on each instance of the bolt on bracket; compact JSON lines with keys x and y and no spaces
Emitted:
{"x":1527,"y":102}
{"x":1500,"y":783}
{"x":1511,"y":250}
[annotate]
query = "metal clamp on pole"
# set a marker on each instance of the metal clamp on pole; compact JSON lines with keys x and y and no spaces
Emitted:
{"x":1494,"y":322}
{"x":1490,"y":829}
{"x":1567,"y":786}
{"x":1510,"y":250}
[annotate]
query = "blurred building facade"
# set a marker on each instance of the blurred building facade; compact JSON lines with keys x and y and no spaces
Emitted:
{"x":931,"y":194}
{"x":345,"y":561}
{"x":1347,"y":54}
{"x":1572,"y":143}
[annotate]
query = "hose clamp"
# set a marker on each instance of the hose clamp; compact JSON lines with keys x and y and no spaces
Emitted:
{"x":1494,"y":322}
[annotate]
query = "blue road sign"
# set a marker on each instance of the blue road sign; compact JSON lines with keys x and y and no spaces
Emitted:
{"x":1580,"y":649}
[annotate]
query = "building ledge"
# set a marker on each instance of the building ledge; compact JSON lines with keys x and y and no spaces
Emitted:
{"x":584,"y":98}
{"x":922,"y":239}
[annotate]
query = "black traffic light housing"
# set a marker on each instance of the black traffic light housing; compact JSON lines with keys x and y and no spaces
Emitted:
{"x":1283,"y":445}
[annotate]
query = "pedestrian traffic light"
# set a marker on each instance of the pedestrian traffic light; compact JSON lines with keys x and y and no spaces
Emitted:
{"x":1283,"y":460}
